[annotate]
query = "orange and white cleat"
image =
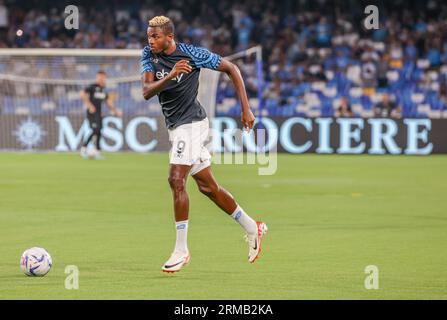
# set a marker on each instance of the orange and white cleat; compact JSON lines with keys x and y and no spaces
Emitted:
{"x":254,"y":241}
{"x":176,"y":262}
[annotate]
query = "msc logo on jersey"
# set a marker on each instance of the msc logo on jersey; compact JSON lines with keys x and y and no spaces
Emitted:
{"x":99,"y":94}
{"x":162,"y":74}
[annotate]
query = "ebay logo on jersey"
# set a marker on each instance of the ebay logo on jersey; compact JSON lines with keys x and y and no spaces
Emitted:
{"x":162,"y":74}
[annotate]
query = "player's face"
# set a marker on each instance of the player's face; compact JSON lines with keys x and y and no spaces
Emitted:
{"x":101,"y":79}
{"x":158,"y":40}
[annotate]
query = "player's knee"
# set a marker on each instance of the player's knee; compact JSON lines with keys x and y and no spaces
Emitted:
{"x":177,"y":183}
{"x":210,"y":190}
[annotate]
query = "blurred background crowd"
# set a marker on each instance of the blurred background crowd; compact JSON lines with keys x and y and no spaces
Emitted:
{"x":319,"y":60}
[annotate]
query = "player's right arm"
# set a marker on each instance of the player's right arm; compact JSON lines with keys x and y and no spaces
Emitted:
{"x":85,"y":98}
{"x":151,"y":87}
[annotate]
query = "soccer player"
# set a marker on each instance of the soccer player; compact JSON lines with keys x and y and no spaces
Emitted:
{"x":93,"y":96}
{"x":171,"y":71}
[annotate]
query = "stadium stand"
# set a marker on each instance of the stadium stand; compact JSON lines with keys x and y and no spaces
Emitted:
{"x":315,"y":55}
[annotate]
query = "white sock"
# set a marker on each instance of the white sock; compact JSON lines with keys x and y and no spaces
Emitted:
{"x":244,"y":220}
{"x":182,"y":235}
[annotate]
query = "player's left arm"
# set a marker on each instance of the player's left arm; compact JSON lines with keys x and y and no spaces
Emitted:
{"x":115,"y":111}
{"x":203,"y":58}
{"x":233,"y":72}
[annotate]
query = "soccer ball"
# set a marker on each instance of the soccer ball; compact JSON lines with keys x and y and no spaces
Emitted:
{"x":36,"y":262}
{"x":92,"y":153}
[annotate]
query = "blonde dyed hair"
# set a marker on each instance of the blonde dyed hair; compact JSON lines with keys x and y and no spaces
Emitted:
{"x":162,"y":22}
{"x":159,"y":21}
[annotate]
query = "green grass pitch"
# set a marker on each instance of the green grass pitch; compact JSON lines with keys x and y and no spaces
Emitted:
{"x":329,"y":217}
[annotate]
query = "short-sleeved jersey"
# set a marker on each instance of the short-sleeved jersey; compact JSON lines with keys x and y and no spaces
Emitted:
{"x":179,"y":98}
{"x":97,"y":95}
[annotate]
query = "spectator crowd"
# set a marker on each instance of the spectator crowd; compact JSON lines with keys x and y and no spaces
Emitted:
{"x":319,"y":59}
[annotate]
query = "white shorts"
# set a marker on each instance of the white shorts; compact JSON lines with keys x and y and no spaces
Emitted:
{"x":188,"y":145}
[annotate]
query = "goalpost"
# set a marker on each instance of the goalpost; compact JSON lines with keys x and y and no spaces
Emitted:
{"x":45,"y":83}
{"x":209,"y":80}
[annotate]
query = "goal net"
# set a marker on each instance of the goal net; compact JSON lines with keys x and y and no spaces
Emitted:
{"x":39,"y":85}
